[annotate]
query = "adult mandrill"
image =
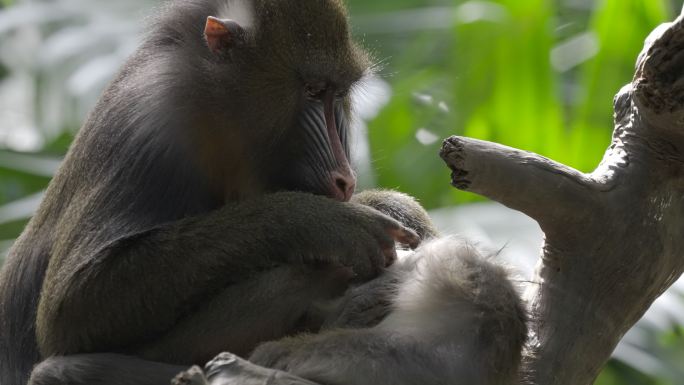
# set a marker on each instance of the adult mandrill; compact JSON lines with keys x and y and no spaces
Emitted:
{"x":168,"y":225}
{"x":192,"y":214}
{"x":444,"y":314}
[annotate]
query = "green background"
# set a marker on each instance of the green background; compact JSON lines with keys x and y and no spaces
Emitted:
{"x":532,"y":74}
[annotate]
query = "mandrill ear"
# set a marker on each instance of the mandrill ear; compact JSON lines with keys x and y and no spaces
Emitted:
{"x":222,"y":34}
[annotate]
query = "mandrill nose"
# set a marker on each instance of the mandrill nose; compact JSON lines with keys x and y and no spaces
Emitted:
{"x":344,"y":184}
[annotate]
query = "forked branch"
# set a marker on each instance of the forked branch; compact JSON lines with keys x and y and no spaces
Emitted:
{"x":615,"y":237}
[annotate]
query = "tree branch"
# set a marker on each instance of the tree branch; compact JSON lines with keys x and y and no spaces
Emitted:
{"x":521,"y":180}
{"x":614,"y":238}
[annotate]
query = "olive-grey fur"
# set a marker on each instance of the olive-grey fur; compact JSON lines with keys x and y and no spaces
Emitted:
{"x":168,"y":225}
{"x":168,"y":194}
{"x":401,"y":207}
{"x":447,"y":314}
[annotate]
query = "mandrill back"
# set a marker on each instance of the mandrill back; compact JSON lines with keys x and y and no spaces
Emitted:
{"x":104,"y":181}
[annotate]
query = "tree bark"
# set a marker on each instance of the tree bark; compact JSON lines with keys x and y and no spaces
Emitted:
{"x":614,"y":238}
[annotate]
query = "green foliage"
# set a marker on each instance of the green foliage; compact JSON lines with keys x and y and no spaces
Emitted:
{"x":22,"y":176}
{"x":620,"y":27}
{"x":497,"y":77}
{"x":499,"y":83}
{"x":4,"y":71}
{"x":617,"y":373}
{"x":18,"y":183}
{"x":400,"y":160}
{"x":365,"y":6}
{"x":485,"y":69}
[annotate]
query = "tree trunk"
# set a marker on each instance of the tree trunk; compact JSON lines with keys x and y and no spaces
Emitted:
{"x":614,"y":239}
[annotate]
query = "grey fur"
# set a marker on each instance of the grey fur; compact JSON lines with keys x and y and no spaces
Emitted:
{"x":401,"y":207}
{"x":445,"y":314}
{"x":454,"y":317}
{"x":102,"y":369}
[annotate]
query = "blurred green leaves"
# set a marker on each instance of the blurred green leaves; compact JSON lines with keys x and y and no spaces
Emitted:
{"x":620,"y":27}
{"x":23,"y":177}
{"x":539,"y":75}
{"x":535,"y":74}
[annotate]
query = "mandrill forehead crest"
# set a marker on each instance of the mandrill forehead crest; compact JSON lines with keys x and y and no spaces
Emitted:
{"x":309,"y":36}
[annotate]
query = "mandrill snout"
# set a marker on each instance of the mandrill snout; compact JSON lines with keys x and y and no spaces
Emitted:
{"x":343,"y":185}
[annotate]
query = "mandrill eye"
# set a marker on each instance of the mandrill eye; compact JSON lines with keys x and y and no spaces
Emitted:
{"x":315,"y":90}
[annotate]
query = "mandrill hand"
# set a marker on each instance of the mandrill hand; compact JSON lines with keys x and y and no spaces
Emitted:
{"x":323,"y":231}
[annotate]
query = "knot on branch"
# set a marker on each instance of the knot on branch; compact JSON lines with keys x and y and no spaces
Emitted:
{"x":452,"y":152}
{"x":659,"y":80}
